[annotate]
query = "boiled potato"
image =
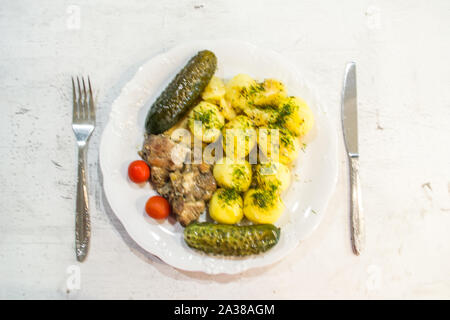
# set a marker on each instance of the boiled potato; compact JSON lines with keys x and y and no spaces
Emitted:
{"x":298,"y":117}
{"x":233,"y":174}
{"x":262,"y":206}
{"x":269,"y":143}
{"x":214,"y":91}
{"x":260,"y":116}
{"x":289,"y":147}
{"x":284,"y":149}
{"x":273,"y":176}
{"x":226,"y":206}
{"x":227,"y":110}
{"x":270,"y":92}
{"x":236,"y":90}
{"x":210,"y":121}
{"x":239,"y":137}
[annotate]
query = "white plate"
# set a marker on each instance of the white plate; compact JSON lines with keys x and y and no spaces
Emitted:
{"x":305,"y":200}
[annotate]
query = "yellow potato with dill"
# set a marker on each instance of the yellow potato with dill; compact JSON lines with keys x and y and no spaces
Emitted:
{"x":214,"y":91}
{"x":270,"y":92}
{"x":239,"y":137}
{"x":261,"y":115}
{"x":289,"y":147}
{"x":296,"y":116}
{"x":233,"y":174}
{"x":226,"y":109}
{"x":284,"y":149}
{"x":226,"y":206}
{"x":262,"y":206}
{"x":236,"y":88}
{"x":273,"y":176}
{"x":209,"y":119}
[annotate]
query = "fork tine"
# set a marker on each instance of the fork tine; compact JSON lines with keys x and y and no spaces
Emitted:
{"x":91,"y":101}
{"x":75,"y":107}
{"x":80,"y":101}
{"x":85,"y":104}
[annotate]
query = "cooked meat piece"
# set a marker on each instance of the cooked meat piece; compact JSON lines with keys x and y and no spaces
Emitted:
{"x":176,"y":179}
{"x":206,"y":184}
{"x":187,"y":211}
{"x":159,"y":176}
{"x":166,"y":190}
{"x":186,"y":186}
{"x":192,"y":184}
{"x":204,"y":167}
{"x":161,"y":151}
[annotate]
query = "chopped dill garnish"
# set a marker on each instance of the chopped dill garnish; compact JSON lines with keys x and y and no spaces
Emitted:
{"x":273,"y":186}
{"x":203,"y":116}
{"x":303,"y":147}
{"x":285,"y":139}
{"x":238,"y":172}
{"x":251,"y":91}
{"x":286,"y":110}
{"x":268,"y":107}
{"x":228,"y":195}
{"x":314,"y":212}
{"x":256,"y":88}
{"x":263,"y":198}
{"x":208,"y":118}
{"x":244,"y":93}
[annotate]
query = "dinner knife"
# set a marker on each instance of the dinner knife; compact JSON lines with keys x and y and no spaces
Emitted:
{"x":349,"y":114}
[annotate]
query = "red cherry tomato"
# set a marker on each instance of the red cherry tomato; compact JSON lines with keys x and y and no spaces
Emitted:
{"x":138,"y":171}
{"x":157,"y":207}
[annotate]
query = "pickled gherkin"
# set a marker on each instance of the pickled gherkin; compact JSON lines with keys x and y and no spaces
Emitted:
{"x":231,"y":240}
{"x":182,"y":93}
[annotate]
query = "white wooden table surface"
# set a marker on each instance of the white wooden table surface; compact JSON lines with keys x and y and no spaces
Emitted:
{"x":402,"y":51}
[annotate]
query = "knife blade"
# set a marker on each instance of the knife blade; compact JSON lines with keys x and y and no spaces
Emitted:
{"x":350,"y":110}
{"x":349,"y":114}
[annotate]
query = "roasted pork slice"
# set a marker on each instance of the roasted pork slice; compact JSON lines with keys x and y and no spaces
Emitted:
{"x":186,"y":186}
{"x":205,"y":183}
{"x":161,"y":151}
{"x":166,"y":190}
{"x":159,"y":176}
{"x":187,"y":211}
{"x":191,"y":186}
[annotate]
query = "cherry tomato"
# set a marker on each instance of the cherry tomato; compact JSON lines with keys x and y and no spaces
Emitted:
{"x":157,"y":207}
{"x":138,"y":171}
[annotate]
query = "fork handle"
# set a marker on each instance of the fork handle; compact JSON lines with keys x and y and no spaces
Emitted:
{"x":82,"y":219}
{"x":356,"y":212}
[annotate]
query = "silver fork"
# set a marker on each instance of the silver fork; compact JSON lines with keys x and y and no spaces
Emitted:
{"x":83,"y":124}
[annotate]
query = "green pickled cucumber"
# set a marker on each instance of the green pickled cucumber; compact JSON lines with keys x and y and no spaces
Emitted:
{"x":182,"y":93}
{"x":231,"y":240}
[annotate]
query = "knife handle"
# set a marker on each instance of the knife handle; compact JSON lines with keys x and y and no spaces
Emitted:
{"x":357,"y":218}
